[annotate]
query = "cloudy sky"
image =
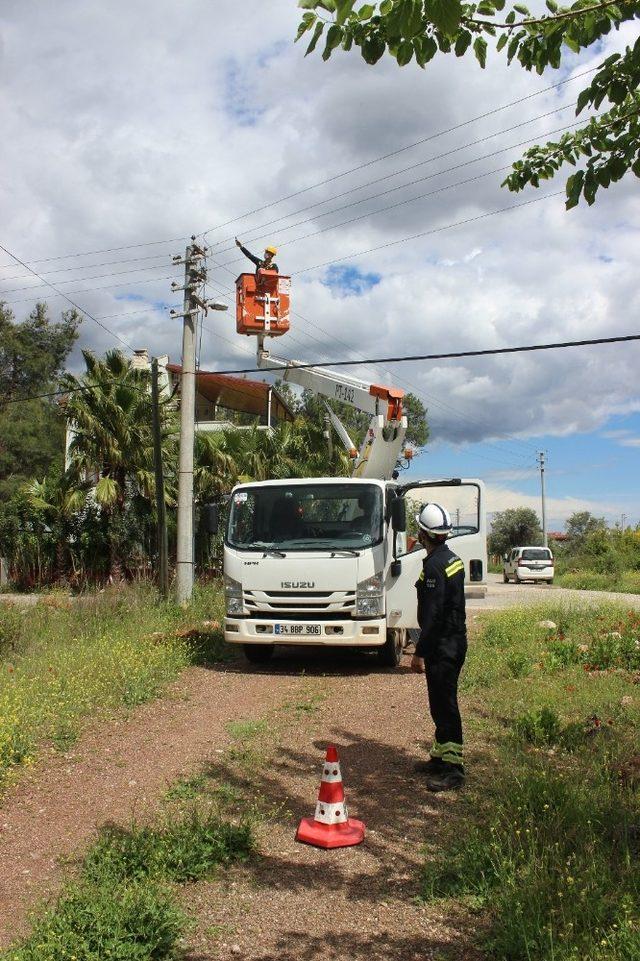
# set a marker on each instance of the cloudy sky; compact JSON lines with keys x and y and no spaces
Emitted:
{"x":129,"y":126}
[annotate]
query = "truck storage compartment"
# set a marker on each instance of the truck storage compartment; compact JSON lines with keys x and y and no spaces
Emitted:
{"x":262,"y":303}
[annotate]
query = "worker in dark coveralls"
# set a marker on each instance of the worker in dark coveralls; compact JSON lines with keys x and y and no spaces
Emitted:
{"x":262,"y":263}
{"x":442,"y":646}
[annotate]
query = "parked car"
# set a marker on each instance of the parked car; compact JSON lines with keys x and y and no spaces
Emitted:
{"x":528,"y":564}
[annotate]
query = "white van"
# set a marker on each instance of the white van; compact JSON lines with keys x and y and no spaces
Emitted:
{"x":528,"y":564}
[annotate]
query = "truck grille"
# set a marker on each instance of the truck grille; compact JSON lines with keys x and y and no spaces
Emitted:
{"x":326,"y":603}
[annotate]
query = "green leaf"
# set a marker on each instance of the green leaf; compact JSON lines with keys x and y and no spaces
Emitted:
{"x":445,"y":15}
{"x":106,"y":491}
{"x":372,"y":49}
{"x":462,"y":44}
{"x":405,"y":53}
{"x":583,"y":99}
{"x":552,"y":5}
{"x":520,"y":8}
{"x":307,"y":4}
{"x":480,"y":50}
{"x":317,"y":33}
{"x":574,"y":189}
{"x":502,"y":41}
{"x":367,"y":11}
{"x":343,"y":9}
{"x":636,"y":167}
{"x":428,"y":49}
{"x":572,"y":43}
{"x":385,"y":9}
{"x":334,"y":39}
{"x":411,"y":21}
{"x":307,"y":22}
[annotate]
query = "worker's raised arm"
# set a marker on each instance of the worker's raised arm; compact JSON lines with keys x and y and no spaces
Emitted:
{"x":252,"y":257}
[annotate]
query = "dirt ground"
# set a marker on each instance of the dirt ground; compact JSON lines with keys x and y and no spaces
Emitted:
{"x":294,"y":901}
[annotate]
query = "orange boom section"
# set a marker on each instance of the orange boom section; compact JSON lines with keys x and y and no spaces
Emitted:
{"x":262,"y":303}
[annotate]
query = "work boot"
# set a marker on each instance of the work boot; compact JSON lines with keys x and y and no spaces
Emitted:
{"x":433,"y":766}
{"x":449,"y":777}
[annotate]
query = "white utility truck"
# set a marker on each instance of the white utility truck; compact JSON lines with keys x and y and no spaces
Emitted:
{"x":328,"y":560}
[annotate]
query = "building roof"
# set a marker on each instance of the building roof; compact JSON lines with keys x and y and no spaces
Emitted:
{"x":235,"y":393}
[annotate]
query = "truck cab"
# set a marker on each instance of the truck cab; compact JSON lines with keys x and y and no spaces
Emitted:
{"x":330,"y":561}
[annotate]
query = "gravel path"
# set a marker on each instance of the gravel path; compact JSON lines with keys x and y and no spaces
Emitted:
{"x":119,"y":769}
{"x":355,"y":904}
{"x":295,"y":902}
{"x":501,"y":595}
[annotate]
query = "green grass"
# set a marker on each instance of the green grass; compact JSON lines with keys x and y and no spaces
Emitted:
{"x":545,"y":842}
{"x":123,"y":905}
{"x":62,"y":661}
{"x":626,"y":582}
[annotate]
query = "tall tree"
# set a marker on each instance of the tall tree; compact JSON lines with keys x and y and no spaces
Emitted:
{"x":109,"y":411}
{"x":32,"y":355}
{"x":515,"y":527}
{"x":581,"y":524}
{"x":606,"y":147}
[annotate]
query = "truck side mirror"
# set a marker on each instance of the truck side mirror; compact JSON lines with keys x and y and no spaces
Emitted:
{"x":399,"y":514}
{"x":210,"y":518}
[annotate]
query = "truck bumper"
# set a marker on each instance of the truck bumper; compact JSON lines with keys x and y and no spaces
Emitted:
{"x":347,"y":633}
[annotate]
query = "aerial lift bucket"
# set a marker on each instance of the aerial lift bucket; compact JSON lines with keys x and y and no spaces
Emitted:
{"x":262,"y":303}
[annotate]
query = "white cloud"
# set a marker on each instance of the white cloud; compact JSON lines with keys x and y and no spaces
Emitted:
{"x":558,"y":508}
{"x":128,"y":123}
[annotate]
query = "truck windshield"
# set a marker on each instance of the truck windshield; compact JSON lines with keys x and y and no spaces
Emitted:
{"x":306,"y":517}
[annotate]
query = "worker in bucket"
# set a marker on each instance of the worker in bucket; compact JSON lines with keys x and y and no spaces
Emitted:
{"x":262,"y":263}
{"x":442,"y":646}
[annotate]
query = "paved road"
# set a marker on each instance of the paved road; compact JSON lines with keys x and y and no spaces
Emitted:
{"x":502,"y":595}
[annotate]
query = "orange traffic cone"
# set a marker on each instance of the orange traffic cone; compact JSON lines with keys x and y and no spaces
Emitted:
{"x":331,"y":826}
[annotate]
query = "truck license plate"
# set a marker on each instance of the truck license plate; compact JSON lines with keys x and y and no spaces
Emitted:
{"x":297,"y":630}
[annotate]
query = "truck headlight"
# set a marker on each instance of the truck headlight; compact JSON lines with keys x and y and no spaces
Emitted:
{"x":233,"y":597}
{"x":370,"y":597}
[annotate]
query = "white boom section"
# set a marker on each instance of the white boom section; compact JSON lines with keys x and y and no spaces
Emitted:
{"x":383,"y":441}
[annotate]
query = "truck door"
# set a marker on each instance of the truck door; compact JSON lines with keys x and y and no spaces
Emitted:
{"x":465,"y":501}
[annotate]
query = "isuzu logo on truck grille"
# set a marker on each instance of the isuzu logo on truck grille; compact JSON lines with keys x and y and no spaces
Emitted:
{"x":297,"y":585}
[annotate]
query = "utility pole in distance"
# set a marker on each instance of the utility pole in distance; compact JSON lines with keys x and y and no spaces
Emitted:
{"x":195,"y":277}
{"x":545,"y":540}
{"x":161,"y":507}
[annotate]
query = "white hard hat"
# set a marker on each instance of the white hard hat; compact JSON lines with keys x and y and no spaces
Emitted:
{"x":434,"y":519}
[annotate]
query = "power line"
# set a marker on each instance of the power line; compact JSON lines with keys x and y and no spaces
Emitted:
{"x":394,"y":153}
{"x":418,"y":391}
{"x":88,"y":290}
{"x":421,"y":163}
{"x":428,"y":233}
{"x":101,"y":263}
{"x":68,"y":299}
{"x":72,"y":280}
{"x":337,"y":176}
{"x":452,"y":355}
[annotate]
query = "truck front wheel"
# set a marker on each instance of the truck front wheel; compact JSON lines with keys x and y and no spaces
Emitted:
{"x":258,"y":653}
{"x":390,"y":654}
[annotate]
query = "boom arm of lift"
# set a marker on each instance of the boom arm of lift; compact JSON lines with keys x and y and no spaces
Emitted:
{"x":381,"y":448}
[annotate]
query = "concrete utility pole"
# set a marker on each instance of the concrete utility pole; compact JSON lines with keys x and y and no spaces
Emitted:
{"x":545,"y":540}
{"x":161,"y":510}
{"x":195,"y":277}
{"x":623,"y":521}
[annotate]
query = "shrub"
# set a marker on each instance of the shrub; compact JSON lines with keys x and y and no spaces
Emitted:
{"x":538,"y":727}
{"x":557,"y":866}
{"x":137,"y":921}
{"x":180,"y":851}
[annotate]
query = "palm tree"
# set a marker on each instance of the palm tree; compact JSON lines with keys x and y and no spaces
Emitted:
{"x":59,"y":499}
{"x":109,"y":412}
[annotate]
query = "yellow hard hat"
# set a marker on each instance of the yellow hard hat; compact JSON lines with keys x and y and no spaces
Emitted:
{"x":271,"y":250}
